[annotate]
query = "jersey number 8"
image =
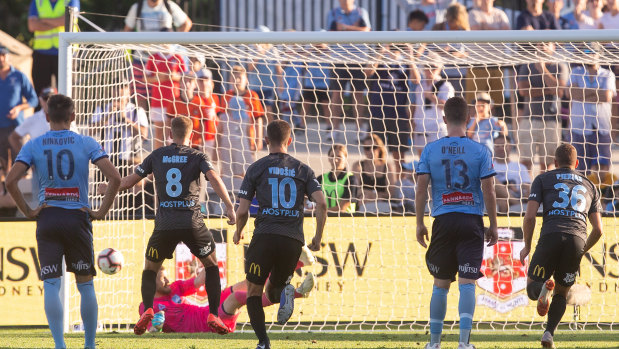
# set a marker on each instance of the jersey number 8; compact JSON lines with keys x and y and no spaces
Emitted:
{"x":174,"y":187}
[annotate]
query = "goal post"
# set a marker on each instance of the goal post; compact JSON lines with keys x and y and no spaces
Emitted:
{"x":370,"y":272}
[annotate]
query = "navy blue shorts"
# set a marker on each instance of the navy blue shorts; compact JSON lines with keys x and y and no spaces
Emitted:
{"x":456,"y":246}
{"x":271,"y":256}
{"x":557,"y":254}
{"x":62,"y":232}
{"x":162,"y":243}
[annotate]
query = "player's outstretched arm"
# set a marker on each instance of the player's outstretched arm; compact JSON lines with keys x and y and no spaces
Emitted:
{"x":111,"y":173}
{"x":17,"y":172}
{"x":421,"y":198}
{"x":528,"y":224}
{"x":242,"y":214}
{"x":487,"y":186}
{"x":221,"y":191}
{"x":596,"y":233}
{"x":321,"y":218}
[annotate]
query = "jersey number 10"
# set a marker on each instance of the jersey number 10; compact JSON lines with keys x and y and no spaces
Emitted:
{"x":60,"y":172}
{"x":278,"y":192}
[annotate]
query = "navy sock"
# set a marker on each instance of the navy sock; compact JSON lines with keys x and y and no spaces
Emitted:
{"x":149,"y":287}
{"x":555,"y":313}
{"x":212,"y":284}
{"x":256,"y":318}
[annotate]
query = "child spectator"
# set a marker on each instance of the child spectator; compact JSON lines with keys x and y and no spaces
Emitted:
{"x":339,"y":185}
{"x":484,"y":127}
{"x":163,"y":73}
{"x":375,"y":174}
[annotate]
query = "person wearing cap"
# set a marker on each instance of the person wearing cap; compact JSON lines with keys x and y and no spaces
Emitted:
{"x":592,"y":89}
{"x":538,"y":128}
{"x":14,"y":88}
{"x":46,"y":20}
{"x":484,"y":127}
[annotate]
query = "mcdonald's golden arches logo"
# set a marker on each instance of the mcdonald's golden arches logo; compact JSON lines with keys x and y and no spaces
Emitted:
{"x":254,"y":268}
{"x":153,"y":253}
{"x":539,"y":270}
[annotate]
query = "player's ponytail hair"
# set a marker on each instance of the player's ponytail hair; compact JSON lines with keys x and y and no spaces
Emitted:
{"x":566,"y":155}
{"x":60,"y":108}
{"x":456,"y":110}
{"x":181,"y":127}
{"x":278,"y":131}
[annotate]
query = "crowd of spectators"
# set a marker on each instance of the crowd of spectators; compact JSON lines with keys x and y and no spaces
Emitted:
{"x":394,"y":109}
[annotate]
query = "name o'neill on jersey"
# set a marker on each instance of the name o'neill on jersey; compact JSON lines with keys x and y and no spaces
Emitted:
{"x":458,"y":198}
{"x":453,"y":149}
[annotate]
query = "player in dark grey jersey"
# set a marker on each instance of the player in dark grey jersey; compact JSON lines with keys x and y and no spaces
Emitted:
{"x":280,"y":183}
{"x":568,"y":198}
{"x":177,"y":170}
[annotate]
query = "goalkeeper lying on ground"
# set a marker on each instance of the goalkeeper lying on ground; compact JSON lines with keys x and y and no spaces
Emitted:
{"x":175,"y":314}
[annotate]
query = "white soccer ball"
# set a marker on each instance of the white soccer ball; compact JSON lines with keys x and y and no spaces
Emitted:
{"x":110,"y":261}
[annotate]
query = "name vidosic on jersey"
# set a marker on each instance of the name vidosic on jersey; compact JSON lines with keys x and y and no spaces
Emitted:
{"x":282,"y":171}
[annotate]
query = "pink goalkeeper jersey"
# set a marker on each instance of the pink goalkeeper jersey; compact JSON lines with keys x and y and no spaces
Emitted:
{"x":182,"y":316}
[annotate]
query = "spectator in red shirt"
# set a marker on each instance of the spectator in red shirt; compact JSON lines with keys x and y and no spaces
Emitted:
{"x":163,"y":73}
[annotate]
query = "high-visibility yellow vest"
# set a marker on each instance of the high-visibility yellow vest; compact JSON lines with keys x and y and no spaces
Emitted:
{"x":45,"y":40}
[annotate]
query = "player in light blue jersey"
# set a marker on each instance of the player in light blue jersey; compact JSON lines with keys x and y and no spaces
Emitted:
{"x":462,"y":177}
{"x":61,"y":159}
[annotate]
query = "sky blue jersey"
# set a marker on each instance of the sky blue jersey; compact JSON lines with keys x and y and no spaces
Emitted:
{"x":61,"y":160}
{"x":456,"y":166}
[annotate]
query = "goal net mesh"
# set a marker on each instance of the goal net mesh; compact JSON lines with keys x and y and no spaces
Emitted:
{"x":382,"y":102}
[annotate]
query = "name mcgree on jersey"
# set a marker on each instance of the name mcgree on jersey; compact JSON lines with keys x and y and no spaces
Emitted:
{"x":174,"y":159}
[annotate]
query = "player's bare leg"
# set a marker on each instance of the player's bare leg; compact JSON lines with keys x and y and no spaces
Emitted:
{"x":555,"y":313}
{"x":212,"y":285}
{"x":149,"y":276}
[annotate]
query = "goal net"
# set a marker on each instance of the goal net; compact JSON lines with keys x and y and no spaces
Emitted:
{"x":365,"y":104}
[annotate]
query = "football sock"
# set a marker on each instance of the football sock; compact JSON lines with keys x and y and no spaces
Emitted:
{"x":241,"y":297}
{"x":256,"y":318}
{"x":149,"y":287}
{"x":213,"y":288}
{"x":555,"y":313}
{"x":466,"y":308}
{"x":53,"y":310}
{"x":534,"y":288}
{"x":438,"y":309}
{"x":265,"y":301}
{"x":89,"y":311}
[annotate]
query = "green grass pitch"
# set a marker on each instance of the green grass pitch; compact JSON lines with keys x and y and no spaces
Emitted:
{"x":41,"y":338}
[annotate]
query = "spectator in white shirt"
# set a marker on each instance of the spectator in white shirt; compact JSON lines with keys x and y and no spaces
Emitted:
{"x":610,"y":19}
{"x":33,"y":126}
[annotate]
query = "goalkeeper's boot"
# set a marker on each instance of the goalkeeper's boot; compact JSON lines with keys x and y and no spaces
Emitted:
{"x":543,"y":302}
{"x":547,"y":341}
{"x":307,"y":257}
{"x":218,"y":326}
{"x":433,"y":346}
{"x":307,"y":285}
{"x":142,"y":324}
{"x":462,"y":345}
{"x":157,"y":321}
{"x":286,"y":305}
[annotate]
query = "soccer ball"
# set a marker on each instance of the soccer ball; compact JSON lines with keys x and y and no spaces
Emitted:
{"x":110,"y":261}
